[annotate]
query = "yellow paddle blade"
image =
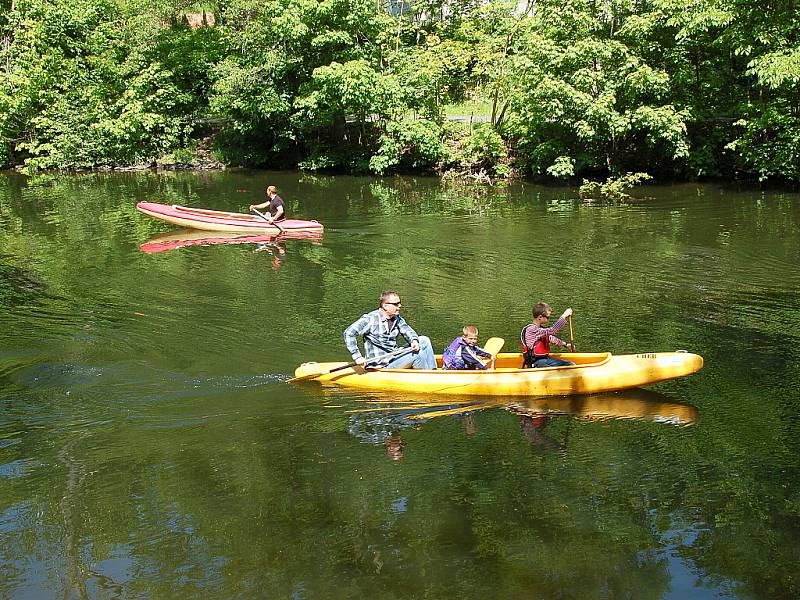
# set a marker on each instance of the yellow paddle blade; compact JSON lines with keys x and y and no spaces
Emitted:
{"x":317,"y":373}
{"x":494,"y":345}
{"x":306,"y":377}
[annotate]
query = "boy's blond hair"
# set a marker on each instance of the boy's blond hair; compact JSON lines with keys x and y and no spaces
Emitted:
{"x":470,"y":330}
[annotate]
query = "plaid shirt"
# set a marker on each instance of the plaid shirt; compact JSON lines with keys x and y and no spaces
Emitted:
{"x":379,"y":333}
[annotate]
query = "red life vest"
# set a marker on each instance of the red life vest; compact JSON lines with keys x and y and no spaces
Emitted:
{"x":541,"y":349}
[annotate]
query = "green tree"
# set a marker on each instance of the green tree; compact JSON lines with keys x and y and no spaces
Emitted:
{"x":585,"y":94}
{"x":74,"y":94}
{"x":734,"y":70}
{"x":432,"y":74}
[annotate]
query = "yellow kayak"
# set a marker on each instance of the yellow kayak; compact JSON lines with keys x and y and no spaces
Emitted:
{"x":592,"y":373}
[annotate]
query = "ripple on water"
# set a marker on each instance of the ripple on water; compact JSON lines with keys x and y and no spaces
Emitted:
{"x":17,"y":468}
{"x":75,"y":395}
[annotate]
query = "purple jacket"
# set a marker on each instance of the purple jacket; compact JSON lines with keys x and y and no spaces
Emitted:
{"x":460,"y":355}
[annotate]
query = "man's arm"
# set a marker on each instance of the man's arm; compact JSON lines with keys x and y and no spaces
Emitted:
{"x":360,"y":327}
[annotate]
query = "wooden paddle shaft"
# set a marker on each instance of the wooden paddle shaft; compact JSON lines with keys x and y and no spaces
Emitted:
{"x":392,"y":354}
{"x":571,"y":334}
{"x":263,"y":216}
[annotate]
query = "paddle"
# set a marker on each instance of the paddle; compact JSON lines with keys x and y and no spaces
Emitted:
{"x":392,"y":354}
{"x":263,"y":216}
{"x":493,"y":346}
{"x":571,"y":335}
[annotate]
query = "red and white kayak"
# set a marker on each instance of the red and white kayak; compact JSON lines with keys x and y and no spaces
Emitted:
{"x":216,"y":220}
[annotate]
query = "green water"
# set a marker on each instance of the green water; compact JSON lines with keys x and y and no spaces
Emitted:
{"x":151,"y":448}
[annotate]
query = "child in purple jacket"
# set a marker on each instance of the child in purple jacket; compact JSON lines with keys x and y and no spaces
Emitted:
{"x":463,"y":353}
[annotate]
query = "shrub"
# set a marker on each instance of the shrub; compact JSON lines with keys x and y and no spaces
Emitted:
{"x":614,"y":188}
{"x":408,"y":145}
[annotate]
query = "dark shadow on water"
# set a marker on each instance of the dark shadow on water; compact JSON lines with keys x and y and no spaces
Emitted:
{"x":19,"y":285}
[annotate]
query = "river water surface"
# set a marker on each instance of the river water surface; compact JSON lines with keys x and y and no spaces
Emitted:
{"x":150,"y":446}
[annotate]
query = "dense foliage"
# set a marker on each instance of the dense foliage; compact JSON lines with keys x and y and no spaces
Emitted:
{"x":676,"y":89}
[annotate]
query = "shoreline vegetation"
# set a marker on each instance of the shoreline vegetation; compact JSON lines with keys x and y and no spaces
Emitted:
{"x":610,"y":94}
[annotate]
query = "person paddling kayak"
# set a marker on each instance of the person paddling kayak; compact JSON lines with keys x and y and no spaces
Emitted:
{"x":277,"y":211}
{"x":536,"y":338}
{"x":380,"y":329}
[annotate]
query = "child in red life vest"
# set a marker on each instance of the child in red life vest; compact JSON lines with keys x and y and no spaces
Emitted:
{"x":463,"y":353}
{"x":536,"y":338}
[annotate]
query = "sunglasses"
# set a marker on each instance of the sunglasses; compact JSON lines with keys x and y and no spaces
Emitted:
{"x":397,"y":304}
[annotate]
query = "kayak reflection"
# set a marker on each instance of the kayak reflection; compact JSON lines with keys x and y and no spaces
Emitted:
{"x":385,"y":416}
{"x":635,"y":403}
{"x":194,"y":237}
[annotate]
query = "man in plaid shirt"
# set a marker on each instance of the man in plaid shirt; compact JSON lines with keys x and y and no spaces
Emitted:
{"x":379,"y":330}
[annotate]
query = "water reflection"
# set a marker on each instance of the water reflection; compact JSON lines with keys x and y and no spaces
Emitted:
{"x":194,"y":237}
{"x":18,"y":285}
{"x":636,"y":403}
{"x":146,"y":453}
{"x":386,"y":415}
{"x":277,"y":249}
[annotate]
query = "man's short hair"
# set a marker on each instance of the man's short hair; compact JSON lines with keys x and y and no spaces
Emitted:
{"x":385,"y":295}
